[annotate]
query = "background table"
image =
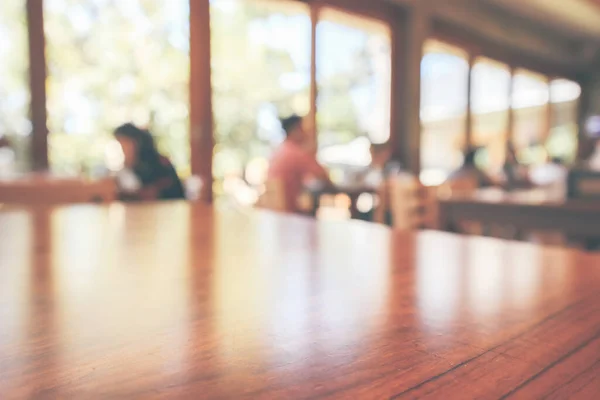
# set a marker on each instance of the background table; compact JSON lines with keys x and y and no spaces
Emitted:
{"x":178,"y":301}
{"x":352,"y":190}
{"x":526,"y":211}
{"x":45,"y":188}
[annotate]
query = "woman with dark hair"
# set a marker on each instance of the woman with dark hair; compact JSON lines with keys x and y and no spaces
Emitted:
{"x":151,"y":175}
{"x":516,"y":175}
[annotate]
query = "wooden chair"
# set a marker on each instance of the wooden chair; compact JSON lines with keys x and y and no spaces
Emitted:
{"x":382,"y":204}
{"x":413,"y":205}
{"x":462,"y":187}
{"x":56,"y":191}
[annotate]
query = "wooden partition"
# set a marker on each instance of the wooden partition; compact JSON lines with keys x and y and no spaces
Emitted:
{"x":201,"y":116}
{"x":37,"y":81}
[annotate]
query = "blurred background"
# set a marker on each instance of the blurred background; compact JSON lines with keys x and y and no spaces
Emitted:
{"x":489,"y":73}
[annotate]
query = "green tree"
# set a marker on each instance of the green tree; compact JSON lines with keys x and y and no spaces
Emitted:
{"x":112,"y":62}
{"x":249,"y":65}
{"x":14,"y":84}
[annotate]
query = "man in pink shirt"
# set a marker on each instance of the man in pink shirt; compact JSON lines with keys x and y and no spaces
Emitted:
{"x":291,"y":164}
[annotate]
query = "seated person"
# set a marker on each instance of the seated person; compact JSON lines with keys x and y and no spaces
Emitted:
{"x":470,"y":171}
{"x":4,"y":143}
{"x":147,"y":175}
{"x":382,"y":167}
{"x":292,"y":164}
{"x":594,"y":159}
{"x":7,"y":156}
{"x":516,"y":175}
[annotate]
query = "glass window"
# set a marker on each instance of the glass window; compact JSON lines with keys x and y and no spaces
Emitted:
{"x":564,"y":131}
{"x":444,"y":92}
{"x":354,"y":86}
{"x":490,"y":102}
{"x":111,"y":62}
{"x":530,"y":104}
{"x":260,"y":60}
{"x":15,"y":126}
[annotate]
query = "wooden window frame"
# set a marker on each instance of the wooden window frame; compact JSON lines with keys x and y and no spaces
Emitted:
{"x":201,"y":113}
{"x":201,"y":122}
{"x":376,"y":10}
{"x":472,"y":57}
{"x":37,"y":85}
{"x":450,"y":34}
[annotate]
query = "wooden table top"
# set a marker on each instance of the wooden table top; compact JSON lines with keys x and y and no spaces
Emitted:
{"x":181,"y":301}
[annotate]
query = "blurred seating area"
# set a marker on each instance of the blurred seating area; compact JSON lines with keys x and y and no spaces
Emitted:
{"x":299,"y":199}
{"x":398,"y":128}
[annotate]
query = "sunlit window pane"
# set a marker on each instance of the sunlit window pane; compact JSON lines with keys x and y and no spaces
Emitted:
{"x":354,"y":85}
{"x":530,"y":105}
{"x":563,"y":90}
{"x":111,"y":62}
{"x":564,"y":100}
{"x":15,"y":125}
{"x":444,"y":92}
{"x":490,"y":102}
{"x":260,"y":72}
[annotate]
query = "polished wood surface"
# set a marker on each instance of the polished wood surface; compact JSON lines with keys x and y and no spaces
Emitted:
{"x":526,"y":211}
{"x":181,"y":301}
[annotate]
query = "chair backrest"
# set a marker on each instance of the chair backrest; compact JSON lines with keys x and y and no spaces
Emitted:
{"x":407,"y":202}
{"x":52,"y":192}
{"x":382,"y":204}
{"x":274,"y":196}
{"x":430,"y":207}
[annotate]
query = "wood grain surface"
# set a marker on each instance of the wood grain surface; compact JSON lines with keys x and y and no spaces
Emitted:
{"x":175,"y":300}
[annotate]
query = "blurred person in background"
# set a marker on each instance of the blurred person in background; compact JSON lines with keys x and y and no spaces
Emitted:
{"x":594,"y":159}
{"x":147,"y":175}
{"x":515,"y":175}
{"x":590,"y":145}
{"x":469,"y":171}
{"x":378,"y":169}
{"x":292,"y":164}
{"x":4,"y":142}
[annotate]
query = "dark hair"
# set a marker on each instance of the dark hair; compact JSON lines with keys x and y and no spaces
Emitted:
{"x":290,"y":123}
{"x":470,"y":157}
{"x":148,"y":157}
